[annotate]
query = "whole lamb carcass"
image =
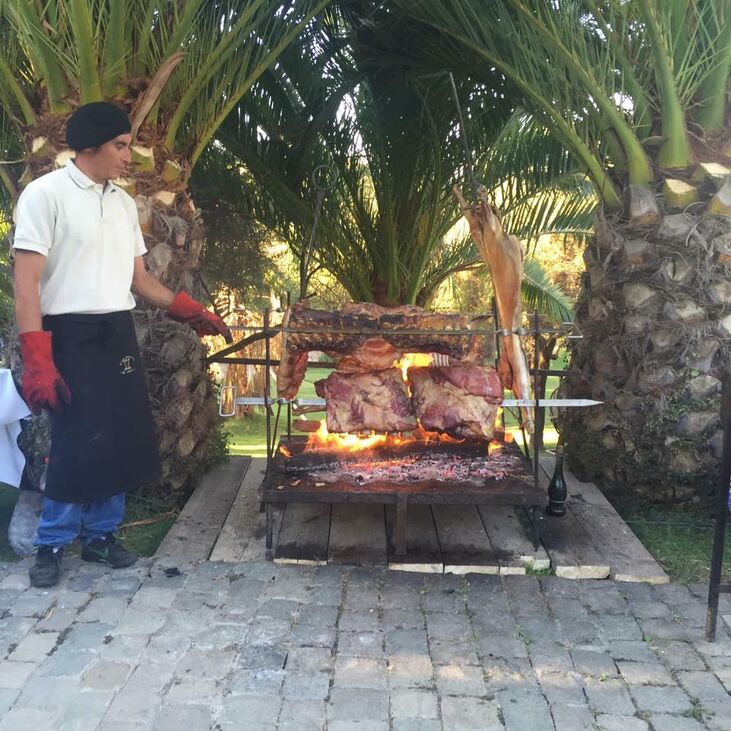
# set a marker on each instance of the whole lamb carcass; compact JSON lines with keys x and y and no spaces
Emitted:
{"x":503,"y":255}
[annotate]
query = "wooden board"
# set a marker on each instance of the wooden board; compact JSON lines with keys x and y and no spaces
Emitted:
{"x":357,"y":534}
{"x":464,"y":544}
{"x":422,"y":544}
{"x":629,"y":560}
{"x":244,"y":523}
{"x":511,"y":541}
{"x":304,"y":534}
{"x":197,"y":529}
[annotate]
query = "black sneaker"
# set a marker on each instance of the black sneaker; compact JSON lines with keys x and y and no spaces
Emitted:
{"x":107,"y":550}
{"x":46,"y":571}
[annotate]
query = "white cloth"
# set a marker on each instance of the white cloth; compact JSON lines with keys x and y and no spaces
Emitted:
{"x":12,"y":409}
{"x":90,"y":235}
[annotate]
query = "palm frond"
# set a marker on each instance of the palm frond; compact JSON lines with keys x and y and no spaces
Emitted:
{"x":540,"y":294}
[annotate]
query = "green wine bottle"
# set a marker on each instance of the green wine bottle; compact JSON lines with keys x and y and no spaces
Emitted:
{"x":557,"y":491}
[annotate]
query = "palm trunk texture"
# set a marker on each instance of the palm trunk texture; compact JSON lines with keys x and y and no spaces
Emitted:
{"x":654,"y":313}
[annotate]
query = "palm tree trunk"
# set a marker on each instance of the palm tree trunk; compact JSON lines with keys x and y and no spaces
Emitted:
{"x":654,"y":315}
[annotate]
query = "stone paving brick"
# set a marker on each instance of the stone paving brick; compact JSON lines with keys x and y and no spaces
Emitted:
{"x":460,"y":680}
{"x":448,"y":626}
{"x":405,"y":641}
{"x":619,"y":627}
{"x":32,"y":603}
{"x":141,"y":621}
{"x":360,"y":672}
{"x":28,"y":719}
{"x":361,"y":600}
{"x":57,"y":620}
{"x":38,"y":692}
{"x":126,"y":647}
{"x":361,"y":644}
{"x":173,"y":718}
{"x":439,"y":599}
{"x":666,"y":722}
{"x":632,"y":651}
{"x":515,"y":673}
{"x":140,"y":696}
{"x":550,"y":658}
{"x":221,"y":636}
{"x":607,"y":722}
{"x":702,"y":685}
{"x":316,"y":614}
{"x":470,"y":714}
{"x":310,"y":659}
{"x":260,"y":709}
{"x":64,"y":663}
{"x":454,"y":652}
{"x":161,"y":646}
{"x":650,"y":610}
{"x":305,"y":635}
{"x":403,"y":619}
{"x":352,"y":621}
{"x":206,"y":664}
{"x":505,"y":646}
{"x":610,"y":696}
{"x":563,"y":688}
{"x":14,"y":674}
{"x":14,"y":582}
{"x":524,"y":710}
{"x":671,"y":629}
{"x":644,"y":673}
{"x":415,"y":724}
{"x":263,"y":657}
{"x":661,"y":699}
{"x":679,"y":655}
{"x":569,"y":717}
{"x":359,"y":725}
{"x":306,"y":685}
{"x":103,"y":609}
{"x":258,"y":682}
{"x":715,"y":714}
{"x":302,"y":715}
{"x":82,"y":711}
{"x":354,"y":704}
{"x":88,"y":636}
{"x":579,"y":631}
{"x":105,"y":675}
{"x":410,"y":671}
{"x":35,"y":647}
{"x":7,"y":698}
{"x":278,"y":609}
{"x":401,"y":598}
{"x":192,"y":690}
{"x":153,"y":597}
{"x":421,"y":704}
{"x":594,"y":663}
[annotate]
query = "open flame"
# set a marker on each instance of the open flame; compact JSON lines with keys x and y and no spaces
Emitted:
{"x":408,"y":360}
{"x":323,"y":440}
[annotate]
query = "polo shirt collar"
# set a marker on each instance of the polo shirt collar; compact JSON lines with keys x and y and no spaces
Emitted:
{"x":82,"y":179}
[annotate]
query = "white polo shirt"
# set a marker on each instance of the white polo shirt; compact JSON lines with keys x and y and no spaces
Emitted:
{"x":90,"y":235}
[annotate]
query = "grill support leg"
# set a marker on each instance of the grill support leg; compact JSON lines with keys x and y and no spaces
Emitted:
{"x":537,"y":522}
{"x":401,"y":504}
{"x":269,"y":531}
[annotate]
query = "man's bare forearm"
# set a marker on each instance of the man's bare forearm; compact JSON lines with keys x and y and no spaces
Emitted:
{"x":27,"y":272}
{"x":151,"y":289}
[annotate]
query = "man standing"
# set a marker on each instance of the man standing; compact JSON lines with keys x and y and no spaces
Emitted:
{"x":78,"y":252}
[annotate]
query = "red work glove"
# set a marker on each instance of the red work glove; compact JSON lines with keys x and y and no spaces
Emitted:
{"x":43,"y":386}
{"x":185,"y":309}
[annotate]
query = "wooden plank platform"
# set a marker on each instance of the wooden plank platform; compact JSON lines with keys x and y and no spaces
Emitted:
{"x":196,"y":531}
{"x":304,"y":534}
{"x":464,"y":543}
{"x":510,"y":540}
{"x":591,"y":541}
{"x":630,"y":560}
{"x":423,"y":553}
{"x":357,"y":535}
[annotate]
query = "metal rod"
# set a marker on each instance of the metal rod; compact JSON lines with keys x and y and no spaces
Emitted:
{"x":536,"y":363}
{"x":719,"y":533}
{"x":267,"y":390}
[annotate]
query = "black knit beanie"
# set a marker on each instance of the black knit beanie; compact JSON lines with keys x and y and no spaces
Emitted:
{"x":94,"y":124}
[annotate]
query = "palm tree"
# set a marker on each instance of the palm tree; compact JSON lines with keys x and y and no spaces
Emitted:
{"x":386,"y":227}
{"x":178,"y":68}
{"x":637,"y":91}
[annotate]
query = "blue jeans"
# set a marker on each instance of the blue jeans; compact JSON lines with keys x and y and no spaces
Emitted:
{"x":61,"y":523}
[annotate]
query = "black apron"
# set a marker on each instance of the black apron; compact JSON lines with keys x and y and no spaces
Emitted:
{"x":104,"y":442}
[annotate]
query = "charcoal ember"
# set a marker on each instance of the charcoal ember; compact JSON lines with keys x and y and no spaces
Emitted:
{"x":377,"y":400}
{"x":461,"y":401}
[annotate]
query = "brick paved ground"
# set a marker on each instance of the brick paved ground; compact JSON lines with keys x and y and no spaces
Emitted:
{"x":261,"y":646}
